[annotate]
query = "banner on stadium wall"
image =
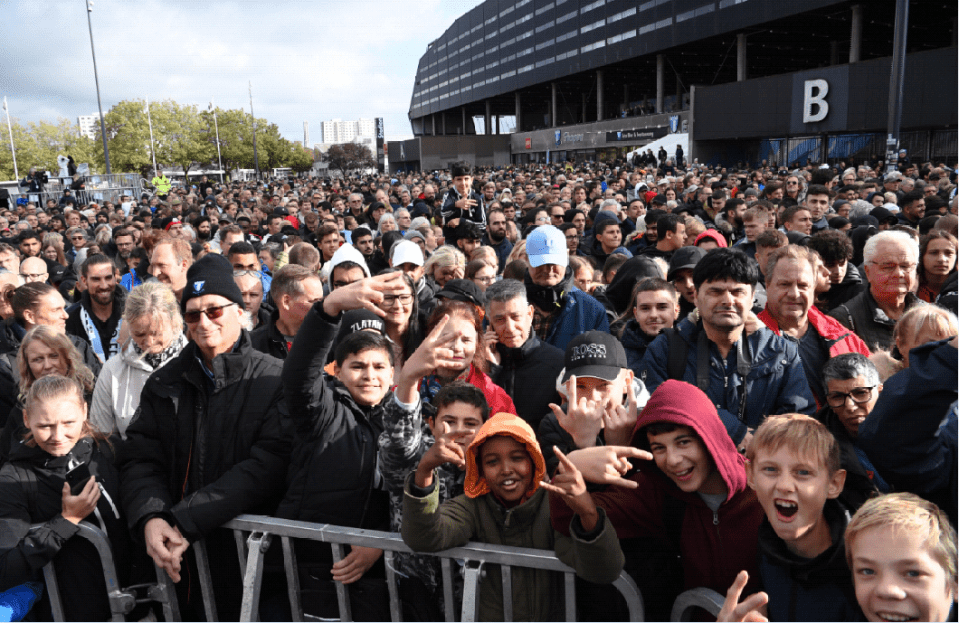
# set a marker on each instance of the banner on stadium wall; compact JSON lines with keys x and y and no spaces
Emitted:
{"x":380,"y":145}
{"x":647,"y":134}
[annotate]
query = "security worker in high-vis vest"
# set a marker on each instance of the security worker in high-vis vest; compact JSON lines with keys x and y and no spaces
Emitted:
{"x":162,"y":184}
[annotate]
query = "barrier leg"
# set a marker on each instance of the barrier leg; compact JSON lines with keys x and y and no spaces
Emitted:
{"x":292,"y":579}
{"x":634,"y":599}
{"x":569,"y":581}
{"x":53,"y":592}
{"x":506,"y":573}
{"x":687,"y":602}
{"x":206,"y":581}
{"x":396,"y":612}
{"x":471,"y":587}
{"x":447,"y":565}
{"x":342,"y":593}
{"x":253,"y":577}
{"x":165,"y":594}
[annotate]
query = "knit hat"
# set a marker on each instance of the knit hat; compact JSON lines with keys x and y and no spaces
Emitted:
{"x":714,"y":235}
{"x":211,"y":274}
{"x":505,"y":424}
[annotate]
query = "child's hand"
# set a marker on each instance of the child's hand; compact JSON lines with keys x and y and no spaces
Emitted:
{"x":446,"y":449}
{"x":365,"y":294}
{"x":619,"y":421}
{"x":568,"y":483}
{"x":583,"y":418}
{"x":607,"y":464}
{"x":753,"y":608}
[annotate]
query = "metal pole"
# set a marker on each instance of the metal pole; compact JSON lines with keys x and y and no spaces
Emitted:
{"x":13,"y":150}
{"x":152,"y":144}
{"x":256,"y":158}
{"x":96,"y":79}
{"x":896,"y":78}
{"x":217,"y":126}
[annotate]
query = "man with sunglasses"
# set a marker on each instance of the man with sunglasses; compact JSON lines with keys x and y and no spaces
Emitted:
{"x":211,"y":439}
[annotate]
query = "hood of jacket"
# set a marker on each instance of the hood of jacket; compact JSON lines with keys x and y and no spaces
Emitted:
{"x":511,"y":426}
{"x":684,"y":404}
{"x":629,"y":274}
{"x":823,"y":567}
{"x":633,"y":336}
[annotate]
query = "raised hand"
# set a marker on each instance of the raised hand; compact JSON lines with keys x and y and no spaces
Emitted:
{"x":607,"y":465}
{"x":583,"y":418}
{"x":753,"y":608}
{"x":569,"y":484}
{"x":620,"y":420}
{"x":367,"y":294}
{"x":435,"y":351}
{"x":492,"y":355}
{"x":447,"y":448}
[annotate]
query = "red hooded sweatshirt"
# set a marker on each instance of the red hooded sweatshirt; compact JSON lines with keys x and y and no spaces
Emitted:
{"x":714,"y":546}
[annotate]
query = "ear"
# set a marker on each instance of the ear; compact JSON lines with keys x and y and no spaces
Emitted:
{"x":29,"y":316}
{"x":836,"y":483}
{"x":749,"y":475}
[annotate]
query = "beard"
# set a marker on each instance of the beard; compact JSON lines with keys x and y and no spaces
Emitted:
{"x":202,"y":235}
{"x":495,"y":237}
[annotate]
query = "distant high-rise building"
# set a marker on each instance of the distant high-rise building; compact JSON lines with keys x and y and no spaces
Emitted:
{"x":306,"y":134}
{"x":337,"y":131}
{"x":88,"y":125}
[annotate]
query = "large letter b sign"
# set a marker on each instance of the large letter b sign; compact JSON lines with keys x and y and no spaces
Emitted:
{"x":815,"y":107}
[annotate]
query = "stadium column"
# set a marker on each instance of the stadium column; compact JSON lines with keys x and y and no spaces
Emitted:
{"x":433,"y":122}
{"x":599,"y":95}
{"x":519,"y":123}
{"x":463,"y":111}
{"x":487,"y":119}
{"x":740,"y":57}
{"x":660,"y":88}
{"x":443,"y":123}
{"x":855,"y":34}
{"x":552,"y":108}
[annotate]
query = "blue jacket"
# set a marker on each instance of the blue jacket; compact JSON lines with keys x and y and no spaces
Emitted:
{"x":911,"y":433}
{"x":776,"y":382}
{"x":580,"y":313}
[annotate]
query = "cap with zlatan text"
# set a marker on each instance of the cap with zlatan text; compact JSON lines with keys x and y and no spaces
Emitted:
{"x":595,"y":354}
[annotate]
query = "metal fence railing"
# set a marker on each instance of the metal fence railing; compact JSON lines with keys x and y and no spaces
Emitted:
{"x":122,"y":600}
{"x":99,"y":188}
{"x":685,"y":606}
{"x":255,"y":534}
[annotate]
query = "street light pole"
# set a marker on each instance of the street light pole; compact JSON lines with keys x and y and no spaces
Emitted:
{"x":256,"y":158}
{"x":13,"y":150}
{"x":103,"y":127}
{"x":153,"y":152}
{"x":217,"y":126}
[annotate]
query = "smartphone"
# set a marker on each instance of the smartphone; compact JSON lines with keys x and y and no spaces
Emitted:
{"x":78,"y":477}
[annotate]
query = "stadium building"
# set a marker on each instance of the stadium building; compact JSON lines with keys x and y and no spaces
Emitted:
{"x":736,"y":80}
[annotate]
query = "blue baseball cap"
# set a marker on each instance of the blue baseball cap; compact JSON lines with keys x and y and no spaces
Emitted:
{"x":547,"y":245}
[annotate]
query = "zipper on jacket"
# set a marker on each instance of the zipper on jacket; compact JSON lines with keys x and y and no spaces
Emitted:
{"x":716,"y":518}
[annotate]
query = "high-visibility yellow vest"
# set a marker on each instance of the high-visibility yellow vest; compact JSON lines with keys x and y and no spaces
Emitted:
{"x":162,"y":184}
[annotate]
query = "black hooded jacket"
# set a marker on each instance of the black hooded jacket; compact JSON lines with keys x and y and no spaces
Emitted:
{"x":528,"y":374}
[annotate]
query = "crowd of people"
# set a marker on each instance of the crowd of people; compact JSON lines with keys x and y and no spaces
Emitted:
{"x":738,"y":379}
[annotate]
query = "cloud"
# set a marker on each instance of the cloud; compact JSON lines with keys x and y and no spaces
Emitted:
{"x":307,"y":60}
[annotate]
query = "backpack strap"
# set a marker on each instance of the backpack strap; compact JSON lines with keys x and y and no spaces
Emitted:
{"x":677,"y":350}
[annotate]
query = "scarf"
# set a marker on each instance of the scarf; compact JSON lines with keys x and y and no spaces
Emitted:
{"x":549,"y":298}
{"x":157,"y":360}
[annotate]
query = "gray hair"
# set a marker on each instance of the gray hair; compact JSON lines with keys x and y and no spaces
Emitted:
{"x":156,"y":300}
{"x":419,"y":221}
{"x":504,"y":291}
{"x":401,"y":210}
{"x":896,"y":237}
{"x":849,"y":366}
{"x":860,"y":208}
{"x":610,"y":202}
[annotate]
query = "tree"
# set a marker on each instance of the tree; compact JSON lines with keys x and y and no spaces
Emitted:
{"x":302,"y":159}
{"x":128,"y":136}
{"x":350,"y":157}
{"x":39,"y":144}
{"x":236,"y":138}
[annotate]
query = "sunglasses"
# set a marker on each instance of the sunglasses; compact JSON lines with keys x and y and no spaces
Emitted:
{"x":193,"y":317}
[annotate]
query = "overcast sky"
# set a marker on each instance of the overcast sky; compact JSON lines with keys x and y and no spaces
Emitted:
{"x":308,"y":60}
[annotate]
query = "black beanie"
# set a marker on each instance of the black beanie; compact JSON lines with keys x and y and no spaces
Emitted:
{"x":211,"y":274}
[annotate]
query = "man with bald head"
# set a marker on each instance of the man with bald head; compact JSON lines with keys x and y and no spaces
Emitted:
{"x":34,"y":269}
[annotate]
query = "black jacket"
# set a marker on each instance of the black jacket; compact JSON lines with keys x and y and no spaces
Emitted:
{"x":863,"y":316}
{"x":267,"y":339}
{"x":634,"y":342}
{"x":105,"y":329}
{"x":31,"y":489}
{"x":201,"y":451}
{"x":859,"y":486}
{"x":844,"y":291}
{"x":528,"y":375}
{"x":333,"y":469}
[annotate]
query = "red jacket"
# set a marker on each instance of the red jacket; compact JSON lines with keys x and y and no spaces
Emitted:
{"x":714,"y":547}
{"x":496,"y":397}
{"x":838,"y":338}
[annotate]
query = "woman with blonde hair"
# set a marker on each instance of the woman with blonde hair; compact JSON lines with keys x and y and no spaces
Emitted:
{"x":518,"y":253}
{"x":152,"y":316}
{"x":445,"y":264}
{"x":922,"y":324}
{"x":43,"y":351}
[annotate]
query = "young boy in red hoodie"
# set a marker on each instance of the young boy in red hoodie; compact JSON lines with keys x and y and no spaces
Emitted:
{"x":695,"y":464}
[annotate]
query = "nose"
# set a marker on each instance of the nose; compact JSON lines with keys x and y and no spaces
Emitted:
{"x":673,"y":457}
{"x":887,"y":587}
{"x":784,"y":483}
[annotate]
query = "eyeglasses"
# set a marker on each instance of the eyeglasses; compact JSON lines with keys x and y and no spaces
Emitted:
{"x":193,"y":317}
{"x":573,"y":237}
{"x":390,"y":301}
{"x":34,"y":276}
{"x":859,"y":395}
{"x":247,"y":273}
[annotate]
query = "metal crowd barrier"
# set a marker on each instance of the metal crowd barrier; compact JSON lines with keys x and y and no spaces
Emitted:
{"x":263,"y":530}
{"x":99,"y":188}
{"x":687,"y":602}
{"x":122,"y":600}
